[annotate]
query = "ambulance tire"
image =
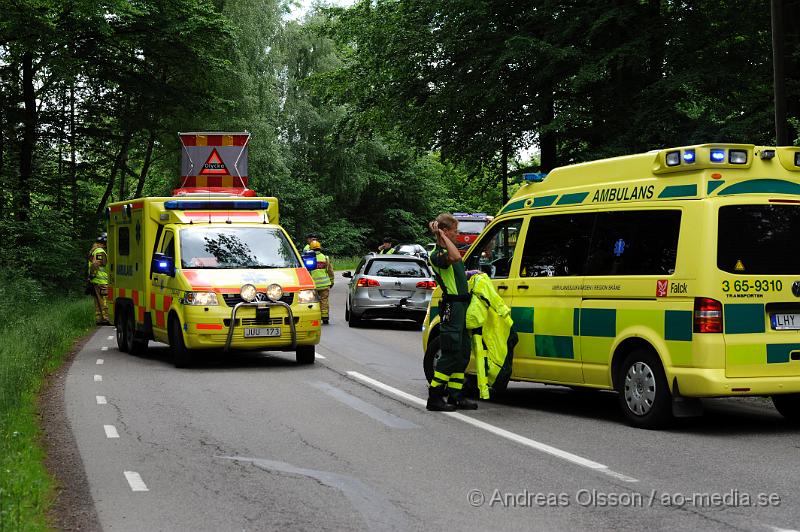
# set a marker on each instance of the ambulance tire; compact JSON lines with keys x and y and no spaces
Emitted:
{"x":305,"y":354}
{"x":181,"y":356}
{"x":644,"y":395}
{"x":119,"y":324}
{"x":788,"y":405}
{"x":432,"y":354}
{"x":136,"y":346}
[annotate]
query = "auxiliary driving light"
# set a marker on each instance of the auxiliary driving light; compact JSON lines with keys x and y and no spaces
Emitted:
{"x":248,"y":293}
{"x":797,"y":158}
{"x":274,"y":292}
{"x":767,"y":154}
{"x":673,"y":158}
{"x":737,"y":157}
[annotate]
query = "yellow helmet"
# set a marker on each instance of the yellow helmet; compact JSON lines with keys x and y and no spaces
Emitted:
{"x":315,"y":244}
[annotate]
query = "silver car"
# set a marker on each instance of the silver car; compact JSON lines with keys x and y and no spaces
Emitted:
{"x":389,"y":286}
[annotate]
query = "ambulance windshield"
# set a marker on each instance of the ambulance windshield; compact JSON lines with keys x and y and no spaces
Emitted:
{"x":236,"y":247}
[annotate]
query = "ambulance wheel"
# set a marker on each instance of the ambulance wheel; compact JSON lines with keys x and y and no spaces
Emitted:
{"x":120,"y":320}
{"x":305,"y":354}
{"x":135,"y":346}
{"x":181,"y":357}
{"x":788,"y":405}
{"x":644,"y":395}
{"x":432,"y":355}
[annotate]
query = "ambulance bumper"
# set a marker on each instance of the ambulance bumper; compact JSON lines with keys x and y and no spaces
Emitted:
{"x":695,"y":382}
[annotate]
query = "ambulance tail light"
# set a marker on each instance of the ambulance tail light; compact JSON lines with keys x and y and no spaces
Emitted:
{"x":366,"y":282}
{"x":707,"y":315}
{"x":427,"y":285}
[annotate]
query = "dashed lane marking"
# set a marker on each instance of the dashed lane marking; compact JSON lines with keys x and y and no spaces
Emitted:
{"x":98,"y":378}
{"x":110,"y":338}
{"x":101,"y":399}
{"x":104,"y":348}
{"x":135,"y":481}
{"x":99,"y":361}
{"x":522,"y":440}
{"x":323,"y":357}
{"x":111,"y":431}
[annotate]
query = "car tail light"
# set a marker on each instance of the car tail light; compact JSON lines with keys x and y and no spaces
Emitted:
{"x":366,"y":281}
{"x":427,"y":285}
{"x":707,"y":315}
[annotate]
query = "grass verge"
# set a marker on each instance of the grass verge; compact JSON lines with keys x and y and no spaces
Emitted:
{"x":32,"y":344}
{"x":346,"y":263}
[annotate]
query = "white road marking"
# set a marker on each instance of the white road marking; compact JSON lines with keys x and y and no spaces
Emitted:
{"x":99,"y":361}
{"x":110,"y":338}
{"x":111,"y":431}
{"x":522,"y":440}
{"x":320,"y":356}
{"x":98,"y":378}
{"x":779,"y":529}
{"x":135,"y":481}
{"x":390,"y":420}
{"x":104,"y":348}
{"x":101,"y":399}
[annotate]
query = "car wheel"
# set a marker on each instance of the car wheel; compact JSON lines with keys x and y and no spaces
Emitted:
{"x":432,"y":355}
{"x":644,"y":396}
{"x":347,"y":313}
{"x":181,"y":356}
{"x":788,"y":405}
{"x":355,"y":320}
{"x":120,"y":319}
{"x":305,"y":354}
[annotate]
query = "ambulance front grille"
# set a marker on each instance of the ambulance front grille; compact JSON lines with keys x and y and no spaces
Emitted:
{"x":248,"y":322}
{"x":233,"y":299}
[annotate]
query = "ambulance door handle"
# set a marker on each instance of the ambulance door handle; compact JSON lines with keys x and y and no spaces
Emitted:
{"x":502,"y":287}
{"x":523,"y":287}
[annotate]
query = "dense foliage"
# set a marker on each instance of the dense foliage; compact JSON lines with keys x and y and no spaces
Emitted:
{"x":366,"y":120}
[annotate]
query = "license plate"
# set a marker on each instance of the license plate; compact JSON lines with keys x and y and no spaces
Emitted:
{"x":396,"y":293}
{"x":783,"y":322}
{"x":251,"y":332}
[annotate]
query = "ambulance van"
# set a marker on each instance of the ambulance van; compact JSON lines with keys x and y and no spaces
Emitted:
{"x":666,"y":276}
{"x":209,"y":267}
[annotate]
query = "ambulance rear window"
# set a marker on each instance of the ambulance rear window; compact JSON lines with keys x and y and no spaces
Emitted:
{"x":759,"y":239}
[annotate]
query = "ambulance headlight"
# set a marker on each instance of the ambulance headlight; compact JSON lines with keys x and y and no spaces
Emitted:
{"x":307,"y":296}
{"x":202,"y":299}
{"x":274,"y":292}
{"x":248,"y":293}
{"x":717,"y":155}
{"x":737,"y":157}
{"x":673,"y":158}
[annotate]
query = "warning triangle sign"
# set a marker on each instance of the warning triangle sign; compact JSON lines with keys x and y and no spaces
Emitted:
{"x":214,"y":165}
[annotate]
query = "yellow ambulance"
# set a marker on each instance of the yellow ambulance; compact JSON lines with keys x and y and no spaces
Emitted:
{"x":209,"y":267}
{"x":667,"y":276}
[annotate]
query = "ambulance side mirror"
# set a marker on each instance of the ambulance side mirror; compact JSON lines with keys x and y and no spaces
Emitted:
{"x":163,"y":264}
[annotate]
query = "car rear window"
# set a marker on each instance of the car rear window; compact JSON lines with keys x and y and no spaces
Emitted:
{"x":758,"y":239}
{"x":396,"y":268}
{"x":472,"y":228}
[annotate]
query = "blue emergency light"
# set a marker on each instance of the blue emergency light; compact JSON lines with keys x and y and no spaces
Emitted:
{"x":717,"y":155}
{"x":309,"y":259}
{"x":688,"y":156}
{"x":215,"y":205}
{"x":535,"y":177}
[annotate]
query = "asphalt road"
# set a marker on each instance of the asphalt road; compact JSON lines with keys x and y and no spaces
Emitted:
{"x":256,"y":442}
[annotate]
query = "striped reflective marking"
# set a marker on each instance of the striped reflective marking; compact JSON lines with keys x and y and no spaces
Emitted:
{"x":522,"y":440}
{"x":678,"y":191}
{"x":523,"y":319}
{"x":598,"y":322}
{"x":780,"y":353}
{"x":678,"y":325}
{"x":744,"y":318}
{"x":761,"y":186}
{"x":572,"y":199}
{"x":553,"y":346}
{"x":714,"y":185}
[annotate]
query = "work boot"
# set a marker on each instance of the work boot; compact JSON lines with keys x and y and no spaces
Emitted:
{"x":436,"y":402}
{"x":324,"y":321}
{"x":462,"y":403}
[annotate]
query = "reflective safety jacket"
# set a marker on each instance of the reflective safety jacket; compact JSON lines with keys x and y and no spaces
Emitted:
{"x":98,"y":258}
{"x":323,"y":274}
{"x":488,"y":312}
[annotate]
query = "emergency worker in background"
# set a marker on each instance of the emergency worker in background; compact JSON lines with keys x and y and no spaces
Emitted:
{"x":387,"y":246}
{"x":323,"y":278}
{"x":98,"y":278}
{"x":310,"y":237}
{"x":448,"y":376}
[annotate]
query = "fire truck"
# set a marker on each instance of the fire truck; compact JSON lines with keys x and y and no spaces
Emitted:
{"x":469,"y":227}
{"x":209,"y":267}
